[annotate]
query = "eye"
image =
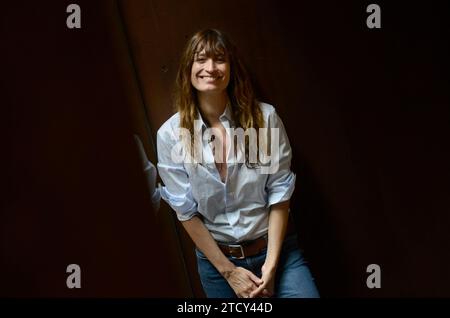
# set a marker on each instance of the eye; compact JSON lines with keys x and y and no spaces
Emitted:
{"x":220,"y":59}
{"x":200,"y":60}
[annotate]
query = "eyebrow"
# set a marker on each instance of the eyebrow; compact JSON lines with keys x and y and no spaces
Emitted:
{"x":202,"y":54}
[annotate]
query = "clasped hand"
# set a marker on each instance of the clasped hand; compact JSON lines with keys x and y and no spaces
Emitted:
{"x":247,"y":285}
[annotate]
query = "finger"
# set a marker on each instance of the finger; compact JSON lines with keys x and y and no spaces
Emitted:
{"x":266,"y":293}
{"x":257,"y":291}
{"x":258,"y":281}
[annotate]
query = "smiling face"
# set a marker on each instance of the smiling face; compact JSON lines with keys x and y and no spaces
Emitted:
{"x":210,"y":73}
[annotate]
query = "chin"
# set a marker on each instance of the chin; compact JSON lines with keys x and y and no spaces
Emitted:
{"x":210,"y":89}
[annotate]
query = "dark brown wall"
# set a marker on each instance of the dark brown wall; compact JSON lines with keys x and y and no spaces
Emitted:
{"x":367,"y":113}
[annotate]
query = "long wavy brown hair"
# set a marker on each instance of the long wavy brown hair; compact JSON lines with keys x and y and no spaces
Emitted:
{"x":245,"y":107}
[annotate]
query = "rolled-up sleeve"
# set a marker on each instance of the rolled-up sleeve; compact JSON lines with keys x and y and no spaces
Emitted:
{"x":281,"y":183}
{"x":177,"y":190}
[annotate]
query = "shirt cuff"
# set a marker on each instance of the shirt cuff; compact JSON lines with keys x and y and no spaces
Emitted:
{"x":282,"y":190}
{"x":185,"y":207}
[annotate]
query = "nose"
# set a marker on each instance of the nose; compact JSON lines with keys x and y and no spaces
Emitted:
{"x":210,"y":65}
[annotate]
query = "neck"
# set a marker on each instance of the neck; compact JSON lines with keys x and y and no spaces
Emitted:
{"x":212,"y":106}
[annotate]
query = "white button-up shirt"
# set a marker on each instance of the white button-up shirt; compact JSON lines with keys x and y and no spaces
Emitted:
{"x":235,"y":210}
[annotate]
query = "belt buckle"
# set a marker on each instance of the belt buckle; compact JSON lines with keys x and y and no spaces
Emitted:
{"x":242,"y":251}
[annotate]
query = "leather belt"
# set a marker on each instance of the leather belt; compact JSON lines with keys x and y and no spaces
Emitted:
{"x":250,"y":248}
{"x":246,"y":249}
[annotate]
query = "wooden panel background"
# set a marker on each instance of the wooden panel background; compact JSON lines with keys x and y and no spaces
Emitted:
{"x":367,"y":113}
{"x":363,"y":109}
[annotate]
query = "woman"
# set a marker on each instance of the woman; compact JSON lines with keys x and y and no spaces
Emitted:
{"x":235,"y":211}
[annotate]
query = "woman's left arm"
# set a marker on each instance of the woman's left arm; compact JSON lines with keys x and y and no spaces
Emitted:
{"x":280,"y":186}
{"x":278,"y":220}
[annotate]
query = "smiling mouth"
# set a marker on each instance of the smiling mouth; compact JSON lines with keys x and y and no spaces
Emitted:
{"x":211,"y":77}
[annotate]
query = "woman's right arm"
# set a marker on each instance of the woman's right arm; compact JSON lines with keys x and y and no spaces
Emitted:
{"x":241,"y":280}
{"x":177,"y":192}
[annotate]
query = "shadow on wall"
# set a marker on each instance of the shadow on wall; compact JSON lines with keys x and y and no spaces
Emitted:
{"x":317,"y":235}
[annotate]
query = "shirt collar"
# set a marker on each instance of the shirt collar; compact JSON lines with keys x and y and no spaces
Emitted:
{"x":226,"y":115}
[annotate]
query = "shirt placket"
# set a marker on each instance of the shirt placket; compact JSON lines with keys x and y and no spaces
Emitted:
{"x":233,"y":215}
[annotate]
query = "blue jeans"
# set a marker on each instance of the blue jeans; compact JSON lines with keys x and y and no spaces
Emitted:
{"x":293,"y":278}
